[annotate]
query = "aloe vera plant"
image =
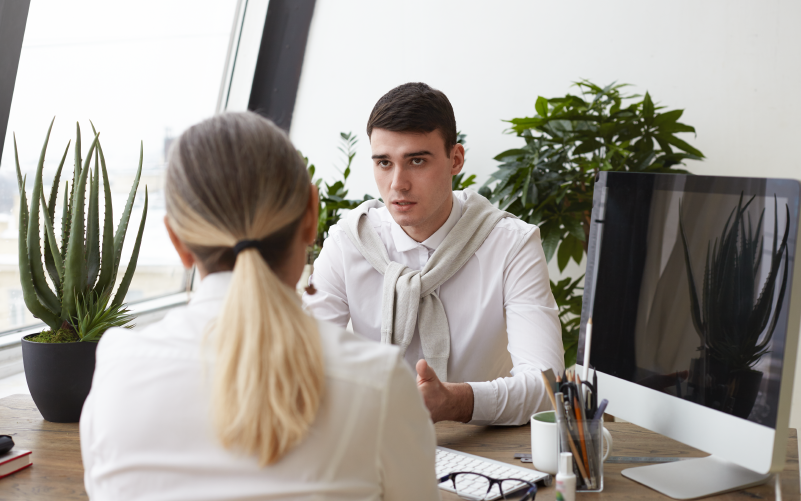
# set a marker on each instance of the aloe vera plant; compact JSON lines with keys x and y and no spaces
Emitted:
{"x":731,"y":319}
{"x":81,"y":265}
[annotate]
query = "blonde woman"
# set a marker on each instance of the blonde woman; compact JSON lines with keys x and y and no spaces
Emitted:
{"x":240,"y":394}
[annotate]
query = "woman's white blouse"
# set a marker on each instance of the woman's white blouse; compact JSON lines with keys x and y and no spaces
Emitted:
{"x":146,"y":431}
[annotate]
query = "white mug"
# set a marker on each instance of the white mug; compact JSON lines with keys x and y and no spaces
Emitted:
{"x":544,"y":448}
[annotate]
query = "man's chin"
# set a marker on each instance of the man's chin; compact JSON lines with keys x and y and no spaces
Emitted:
{"x":404,"y":218}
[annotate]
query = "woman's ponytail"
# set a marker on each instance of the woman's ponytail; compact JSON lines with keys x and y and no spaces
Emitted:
{"x":232,"y":178}
{"x":268,"y":376}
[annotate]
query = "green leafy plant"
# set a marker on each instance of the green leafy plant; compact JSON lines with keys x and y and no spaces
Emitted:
{"x":549,"y":180}
{"x":459,"y":182}
{"x":333,"y":197}
{"x":569,"y":304}
{"x":95,"y":316}
{"x":730,"y":319}
{"x":83,"y":268}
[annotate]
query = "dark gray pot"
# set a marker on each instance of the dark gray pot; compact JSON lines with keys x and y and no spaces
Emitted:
{"x":59,"y":377}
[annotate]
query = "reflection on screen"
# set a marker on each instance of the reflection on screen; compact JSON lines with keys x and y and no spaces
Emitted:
{"x":692,"y":294}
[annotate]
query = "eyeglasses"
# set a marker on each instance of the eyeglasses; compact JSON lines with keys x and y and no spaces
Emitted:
{"x":481,"y":487}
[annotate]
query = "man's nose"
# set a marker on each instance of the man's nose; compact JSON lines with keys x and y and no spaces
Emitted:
{"x":400,"y":180}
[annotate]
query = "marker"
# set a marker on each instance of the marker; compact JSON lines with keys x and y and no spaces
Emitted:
{"x":599,"y":414}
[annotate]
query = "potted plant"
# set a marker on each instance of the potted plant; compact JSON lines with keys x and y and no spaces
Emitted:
{"x":76,"y":302}
{"x":733,"y":320}
{"x":549,"y":180}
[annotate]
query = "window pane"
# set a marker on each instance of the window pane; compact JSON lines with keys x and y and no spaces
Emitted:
{"x":141,"y":71}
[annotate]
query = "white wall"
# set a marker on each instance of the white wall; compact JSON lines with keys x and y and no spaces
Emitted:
{"x":734,"y":66}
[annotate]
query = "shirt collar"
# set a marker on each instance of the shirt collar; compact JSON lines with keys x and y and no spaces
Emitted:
{"x":213,"y":286}
{"x":404,"y":242}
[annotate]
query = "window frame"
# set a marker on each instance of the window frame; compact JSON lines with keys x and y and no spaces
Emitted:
{"x":265,"y":81}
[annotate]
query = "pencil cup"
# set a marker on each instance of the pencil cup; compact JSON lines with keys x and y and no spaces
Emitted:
{"x":586,"y":440}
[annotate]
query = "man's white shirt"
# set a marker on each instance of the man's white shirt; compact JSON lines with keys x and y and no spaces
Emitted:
{"x":502,"y":316}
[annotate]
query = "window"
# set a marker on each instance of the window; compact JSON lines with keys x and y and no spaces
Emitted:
{"x":141,"y":70}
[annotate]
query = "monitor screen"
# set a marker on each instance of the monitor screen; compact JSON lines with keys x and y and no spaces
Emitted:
{"x":691,"y":287}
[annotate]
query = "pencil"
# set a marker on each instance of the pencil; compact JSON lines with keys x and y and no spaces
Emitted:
{"x":588,"y":440}
{"x":549,"y":390}
{"x":580,"y":427}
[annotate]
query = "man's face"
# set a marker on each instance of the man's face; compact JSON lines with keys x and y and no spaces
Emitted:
{"x":413,"y":174}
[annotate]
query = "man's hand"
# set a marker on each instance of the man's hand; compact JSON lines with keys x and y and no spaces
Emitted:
{"x":445,"y":401}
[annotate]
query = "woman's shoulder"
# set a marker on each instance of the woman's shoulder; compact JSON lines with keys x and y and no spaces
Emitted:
{"x":353,"y":358}
{"x":174,"y":336}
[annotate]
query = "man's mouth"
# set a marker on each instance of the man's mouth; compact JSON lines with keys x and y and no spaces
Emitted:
{"x":403,"y":205}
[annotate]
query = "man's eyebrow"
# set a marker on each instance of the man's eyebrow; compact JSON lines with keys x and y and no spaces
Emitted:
{"x":382,"y":156}
{"x":418,"y":154}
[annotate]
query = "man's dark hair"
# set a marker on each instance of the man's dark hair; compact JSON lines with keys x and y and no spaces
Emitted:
{"x":415,"y":107}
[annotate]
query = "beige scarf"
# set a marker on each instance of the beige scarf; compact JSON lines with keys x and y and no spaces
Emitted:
{"x":409,"y":296}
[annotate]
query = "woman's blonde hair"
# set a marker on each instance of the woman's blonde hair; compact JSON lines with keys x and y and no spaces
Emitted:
{"x":231,"y":178}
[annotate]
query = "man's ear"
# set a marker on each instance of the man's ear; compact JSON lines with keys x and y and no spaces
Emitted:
{"x":457,"y":159}
{"x":187,"y":258}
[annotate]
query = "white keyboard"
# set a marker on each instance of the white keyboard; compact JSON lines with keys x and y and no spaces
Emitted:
{"x":449,"y":461}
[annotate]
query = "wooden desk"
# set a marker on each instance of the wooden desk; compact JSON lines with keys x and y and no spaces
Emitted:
{"x":501,"y":444}
{"x":57,"y":471}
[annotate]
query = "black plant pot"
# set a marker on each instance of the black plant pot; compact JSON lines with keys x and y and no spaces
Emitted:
{"x":59,"y":377}
{"x":747,"y":389}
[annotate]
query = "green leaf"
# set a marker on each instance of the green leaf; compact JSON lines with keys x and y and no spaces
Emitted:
{"x":541,"y":106}
{"x":676,"y":128}
{"x":678,"y":143}
{"x":93,"y":226}
{"x":108,"y":265}
{"x":575,"y":228}
{"x":52,"y":248}
{"x":514,"y":152}
{"x":76,"y":173}
{"x":66,"y":217}
{"x":95,"y":316}
{"x":550,"y":239}
{"x":647,"y":108}
{"x":119,"y":237}
{"x":129,"y":272}
{"x":564,"y":253}
{"x":26,"y":280}
{"x":75,"y":264}
{"x":47,"y":297}
{"x":51,"y":212}
{"x":19,"y":173}
{"x":667,"y":118}
{"x":578,"y":252}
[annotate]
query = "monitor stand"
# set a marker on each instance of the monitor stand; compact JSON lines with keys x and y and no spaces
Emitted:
{"x":695,"y":478}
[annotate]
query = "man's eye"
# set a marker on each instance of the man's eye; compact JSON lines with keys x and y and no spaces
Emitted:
{"x":383,"y":164}
{"x":417,"y":161}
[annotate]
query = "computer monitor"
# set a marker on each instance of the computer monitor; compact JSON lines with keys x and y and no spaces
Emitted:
{"x":694,"y":300}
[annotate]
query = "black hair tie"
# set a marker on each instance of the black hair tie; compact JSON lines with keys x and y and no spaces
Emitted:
{"x":245,"y":244}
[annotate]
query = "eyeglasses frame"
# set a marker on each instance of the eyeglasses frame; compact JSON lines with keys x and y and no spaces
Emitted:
{"x":531,"y":493}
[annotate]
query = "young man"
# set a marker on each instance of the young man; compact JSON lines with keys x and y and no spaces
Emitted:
{"x":459,"y":285}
